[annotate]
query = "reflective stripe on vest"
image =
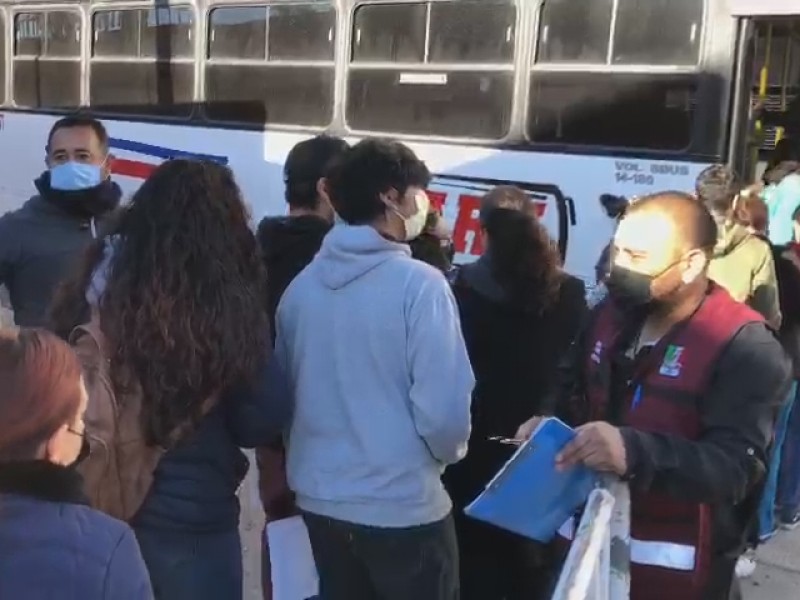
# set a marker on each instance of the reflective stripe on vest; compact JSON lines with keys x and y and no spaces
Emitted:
{"x":667,"y":555}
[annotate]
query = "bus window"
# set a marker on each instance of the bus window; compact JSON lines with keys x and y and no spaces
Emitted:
{"x":47,"y":59}
{"x":271,"y":64}
{"x":433,"y":68}
{"x":301,"y":33}
{"x":238,"y":32}
{"x":575,"y":31}
{"x":142,"y":61}
{"x":167,"y":33}
{"x":620,"y":110}
{"x":390,"y":33}
{"x":483,"y":34}
{"x":658,"y":32}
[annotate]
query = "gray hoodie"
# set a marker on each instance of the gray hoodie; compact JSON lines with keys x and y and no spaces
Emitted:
{"x":371,"y":342}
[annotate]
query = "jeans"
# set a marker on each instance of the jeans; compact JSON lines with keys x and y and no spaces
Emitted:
{"x":356,"y":562}
{"x":766,"y":510}
{"x":499,"y":565}
{"x":789,"y":481}
{"x":193,"y":566}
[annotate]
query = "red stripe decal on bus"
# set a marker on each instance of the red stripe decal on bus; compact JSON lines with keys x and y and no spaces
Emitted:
{"x":132,"y":168}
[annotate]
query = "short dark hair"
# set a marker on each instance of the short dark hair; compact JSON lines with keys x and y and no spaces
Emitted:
{"x":368,"y":169}
{"x":696,"y":226}
{"x":80,"y":121}
{"x":717,"y":187}
{"x":306,"y":164}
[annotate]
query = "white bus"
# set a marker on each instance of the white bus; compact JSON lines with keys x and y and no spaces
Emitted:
{"x":569,"y":99}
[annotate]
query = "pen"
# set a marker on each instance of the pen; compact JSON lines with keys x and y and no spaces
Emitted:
{"x":504,"y":440}
{"x":637,"y":397}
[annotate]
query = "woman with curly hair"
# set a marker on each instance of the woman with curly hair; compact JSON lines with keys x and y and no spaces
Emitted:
{"x":519,"y":314}
{"x":179,"y":289}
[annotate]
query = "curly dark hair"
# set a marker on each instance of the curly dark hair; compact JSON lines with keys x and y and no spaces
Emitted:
{"x":522,"y":256}
{"x":184,"y":307}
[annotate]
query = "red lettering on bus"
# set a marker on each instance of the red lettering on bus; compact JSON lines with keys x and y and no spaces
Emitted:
{"x":467,"y":230}
{"x":438,"y":200}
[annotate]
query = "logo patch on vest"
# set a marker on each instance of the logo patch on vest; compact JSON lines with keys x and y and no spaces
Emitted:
{"x":671,"y":367}
{"x":598,"y":350}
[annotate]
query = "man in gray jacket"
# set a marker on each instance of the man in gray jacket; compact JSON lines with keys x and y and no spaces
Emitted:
{"x":42,"y":241}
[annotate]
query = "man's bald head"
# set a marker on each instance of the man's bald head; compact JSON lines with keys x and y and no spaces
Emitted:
{"x":693,"y":227}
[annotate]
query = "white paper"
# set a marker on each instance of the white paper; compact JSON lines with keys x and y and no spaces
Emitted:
{"x":294,"y":573}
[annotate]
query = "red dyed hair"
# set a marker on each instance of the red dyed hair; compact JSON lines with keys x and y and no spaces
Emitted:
{"x":751,"y":211}
{"x":39,"y":390}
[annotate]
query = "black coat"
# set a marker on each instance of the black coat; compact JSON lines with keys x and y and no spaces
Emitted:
{"x":514,"y":356}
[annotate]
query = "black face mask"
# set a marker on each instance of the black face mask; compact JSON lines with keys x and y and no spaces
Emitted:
{"x":633,"y":291}
{"x":83,"y":454}
{"x":630,"y":290}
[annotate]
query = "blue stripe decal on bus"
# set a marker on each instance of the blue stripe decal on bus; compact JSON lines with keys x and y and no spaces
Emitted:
{"x":163,"y":152}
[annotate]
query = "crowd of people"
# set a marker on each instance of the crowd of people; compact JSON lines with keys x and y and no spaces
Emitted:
{"x":373,"y":377}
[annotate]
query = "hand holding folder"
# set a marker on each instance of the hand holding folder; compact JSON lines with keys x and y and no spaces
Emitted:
{"x":529,"y":496}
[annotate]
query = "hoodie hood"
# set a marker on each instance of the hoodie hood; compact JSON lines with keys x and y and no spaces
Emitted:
{"x":291,"y":236}
{"x":729,"y":237}
{"x":478,"y":276}
{"x":351,"y":251}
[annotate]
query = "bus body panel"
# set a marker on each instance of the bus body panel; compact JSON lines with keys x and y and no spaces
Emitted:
{"x":462,"y":175}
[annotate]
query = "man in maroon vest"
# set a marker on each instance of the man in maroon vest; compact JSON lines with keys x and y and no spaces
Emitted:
{"x":675,"y":388}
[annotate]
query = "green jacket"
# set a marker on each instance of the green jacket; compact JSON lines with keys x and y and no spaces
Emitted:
{"x":743,"y":264}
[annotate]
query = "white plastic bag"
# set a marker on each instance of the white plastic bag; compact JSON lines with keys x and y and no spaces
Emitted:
{"x":293,"y":571}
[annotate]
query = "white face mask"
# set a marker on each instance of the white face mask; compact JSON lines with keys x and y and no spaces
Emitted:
{"x":415,"y":224}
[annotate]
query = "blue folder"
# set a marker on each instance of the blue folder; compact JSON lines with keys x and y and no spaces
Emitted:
{"x":529,"y":496}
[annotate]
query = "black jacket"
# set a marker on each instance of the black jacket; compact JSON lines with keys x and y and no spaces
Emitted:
{"x":195,"y":483}
{"x":789,"y":288}
{"x":288,"y":244}
{"x":748,"y":386}
{"x":40,"y":245}
{"x":514,"y":356}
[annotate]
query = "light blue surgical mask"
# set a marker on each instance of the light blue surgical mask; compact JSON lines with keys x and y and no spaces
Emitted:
{"x":72,"y":176}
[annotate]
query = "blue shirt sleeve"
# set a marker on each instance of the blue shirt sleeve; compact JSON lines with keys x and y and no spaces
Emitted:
{"x":260,"y":411}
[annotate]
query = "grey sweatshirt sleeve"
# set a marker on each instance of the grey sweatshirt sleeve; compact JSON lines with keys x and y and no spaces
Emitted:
{"x":441,"y":375}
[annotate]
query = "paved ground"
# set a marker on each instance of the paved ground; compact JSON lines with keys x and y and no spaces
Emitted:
{"x":251,"y":526}
{"x":778,"y":574}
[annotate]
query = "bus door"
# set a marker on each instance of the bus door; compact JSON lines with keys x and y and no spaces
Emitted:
{"x":768,"y":81}
{"x":459,"y":199}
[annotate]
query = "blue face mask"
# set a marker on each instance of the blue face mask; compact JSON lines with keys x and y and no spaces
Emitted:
{"x":73,"y":176}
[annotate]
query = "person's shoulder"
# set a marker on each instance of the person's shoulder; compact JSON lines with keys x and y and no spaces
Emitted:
{"x":754,"y":348}
{"x":104,"y":528}
{"x":753,"y":250}
{"x":421,"y":279}
{"x":14,"y":217}
{"x":572,"y":286}
{"x":93,"y":532}
{"x":419,"y":272}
